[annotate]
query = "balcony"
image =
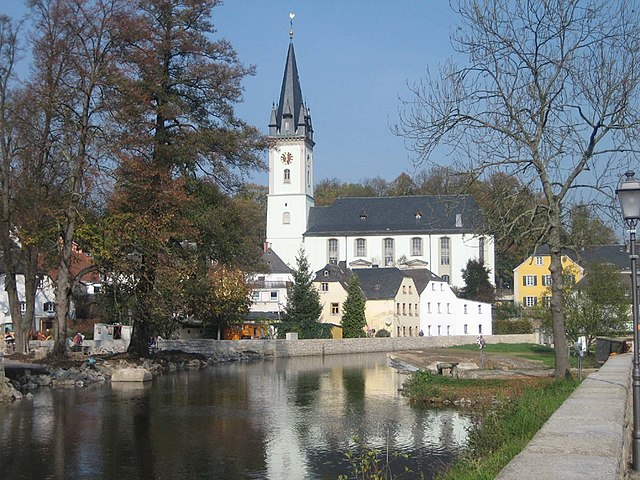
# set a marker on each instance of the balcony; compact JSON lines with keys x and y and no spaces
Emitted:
{"x":262,"y":285}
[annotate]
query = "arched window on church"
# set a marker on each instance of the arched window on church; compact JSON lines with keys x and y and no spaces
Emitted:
{"x":332,"y":250}
{"x":286,"y":218}
{"x":388,"y":252}
{"x":445,"y":251}
{"x":287,"y":175}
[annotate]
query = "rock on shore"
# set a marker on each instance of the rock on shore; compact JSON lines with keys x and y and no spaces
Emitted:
{"x":80,"y":374}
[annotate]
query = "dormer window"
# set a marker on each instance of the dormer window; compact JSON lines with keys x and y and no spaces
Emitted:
{"x":418,"y":214}
{"x":326,"y":273}
{"x":363,"y":216}
{"x":458,"y":220}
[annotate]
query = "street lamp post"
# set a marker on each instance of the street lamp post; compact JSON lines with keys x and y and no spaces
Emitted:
{"x":629,"y":196}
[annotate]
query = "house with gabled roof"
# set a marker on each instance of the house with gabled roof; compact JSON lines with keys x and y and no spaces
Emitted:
{"x":269,"y":288}
{"x":443,"y":313}
{"x":441,"y":233}
{"x":393,"y":300}
{"x":532,"y":278}
{"x":403,"y":302}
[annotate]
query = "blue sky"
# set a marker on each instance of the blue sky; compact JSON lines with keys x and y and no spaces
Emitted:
{"x":354,"y":59}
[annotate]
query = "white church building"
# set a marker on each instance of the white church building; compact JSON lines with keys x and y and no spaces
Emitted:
{"x":440,"y":233}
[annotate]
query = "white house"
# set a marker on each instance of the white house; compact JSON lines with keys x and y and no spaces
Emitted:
{"x":440,"y":233}
{"x":45,"y":307}
{"x":269,"y":288}
{"x":442,"y":313}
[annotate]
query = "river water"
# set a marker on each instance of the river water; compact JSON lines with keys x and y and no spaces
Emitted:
{"x":281,"y":419}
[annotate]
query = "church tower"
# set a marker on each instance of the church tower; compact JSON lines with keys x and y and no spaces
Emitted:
{"x":290,"y":166}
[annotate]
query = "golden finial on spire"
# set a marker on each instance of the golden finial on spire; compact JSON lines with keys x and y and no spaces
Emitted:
{"x":291,"y":17}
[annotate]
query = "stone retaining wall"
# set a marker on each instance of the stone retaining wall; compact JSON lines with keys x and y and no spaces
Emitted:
{"x":300,"y":348}
{"x":587,"y":436}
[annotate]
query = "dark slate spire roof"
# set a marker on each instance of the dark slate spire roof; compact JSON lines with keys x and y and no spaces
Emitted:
{"x":291,"y":117}
{"x":422,"y":214}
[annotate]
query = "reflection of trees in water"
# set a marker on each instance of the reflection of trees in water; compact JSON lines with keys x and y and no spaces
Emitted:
{"x":283,"y":419}
{"x":354,"y":387}
{"x":305,"y":389}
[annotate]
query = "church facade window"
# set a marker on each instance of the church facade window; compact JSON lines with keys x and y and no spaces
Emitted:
{"x":481,"y":250}
{"x":361,"y":247}
{"x":445,"y":251}
{"x":286,"y":218}
{"x":287,"y":175}
{"x":388,"y":251}
{"x":332,"y":250}
{"x":416,"y":246}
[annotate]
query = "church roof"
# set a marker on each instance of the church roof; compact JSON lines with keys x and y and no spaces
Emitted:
{"x":291,"y":105}
{"x":421,"y":214}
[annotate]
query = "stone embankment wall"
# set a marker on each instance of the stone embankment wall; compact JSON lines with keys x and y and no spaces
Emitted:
{"x":300,"y":348}
{"x":588,"y":436}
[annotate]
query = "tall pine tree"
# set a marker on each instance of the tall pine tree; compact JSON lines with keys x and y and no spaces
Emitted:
{"x":353,"y":317}
{"x":303,"y":308}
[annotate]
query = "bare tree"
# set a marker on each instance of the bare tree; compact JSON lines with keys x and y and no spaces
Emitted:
{"x":73,"y":53}
{"x":8,"y":153}
{"x":549,"y":95}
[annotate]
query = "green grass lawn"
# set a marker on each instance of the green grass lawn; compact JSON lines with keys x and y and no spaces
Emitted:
{"x":530,"y":351}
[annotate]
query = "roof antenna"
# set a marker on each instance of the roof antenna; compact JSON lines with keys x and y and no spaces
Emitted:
{"x":291,"y":17}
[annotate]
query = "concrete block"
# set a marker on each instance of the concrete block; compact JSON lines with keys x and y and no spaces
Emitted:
{"x":131,"y":375}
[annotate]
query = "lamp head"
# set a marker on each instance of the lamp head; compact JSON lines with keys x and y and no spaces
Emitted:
{"x":629,"y":197}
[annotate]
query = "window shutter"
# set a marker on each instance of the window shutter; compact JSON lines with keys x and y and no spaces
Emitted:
{"x":524,"y":280}
{"x":535,"y":280}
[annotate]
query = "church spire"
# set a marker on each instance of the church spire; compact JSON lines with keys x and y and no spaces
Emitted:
{"x":291,"y":115}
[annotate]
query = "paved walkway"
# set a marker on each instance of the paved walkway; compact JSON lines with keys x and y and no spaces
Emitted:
{"x":586,"y":437}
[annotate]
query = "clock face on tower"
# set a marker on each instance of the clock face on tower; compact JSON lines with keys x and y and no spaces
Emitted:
{"x":286,"y":158}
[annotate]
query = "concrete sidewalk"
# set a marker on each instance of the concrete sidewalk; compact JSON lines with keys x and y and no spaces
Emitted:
{"x":585,"y":437}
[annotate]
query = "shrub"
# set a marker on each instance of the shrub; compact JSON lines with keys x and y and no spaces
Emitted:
{"x":383,"y":333}
{"x":511,"y":327}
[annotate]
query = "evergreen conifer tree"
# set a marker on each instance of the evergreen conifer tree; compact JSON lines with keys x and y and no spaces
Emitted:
{"x":303,"y":308}
{"x":353,"y":317}
{"x":477,"y":285}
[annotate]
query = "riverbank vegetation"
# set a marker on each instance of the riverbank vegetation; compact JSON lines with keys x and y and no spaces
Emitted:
{"x":427,"y":388}
{"x":502,"y":431}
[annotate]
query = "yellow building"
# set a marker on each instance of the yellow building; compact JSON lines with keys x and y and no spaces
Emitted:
{"x":532,"y":278}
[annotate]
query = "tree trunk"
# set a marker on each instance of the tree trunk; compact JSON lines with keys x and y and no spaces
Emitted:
{"x":63,"y":287}
{"x":557,"y":306}
{"x":139,"y":344}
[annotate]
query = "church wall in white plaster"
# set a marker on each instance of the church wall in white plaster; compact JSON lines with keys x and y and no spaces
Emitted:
{"x":462,"y":248}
